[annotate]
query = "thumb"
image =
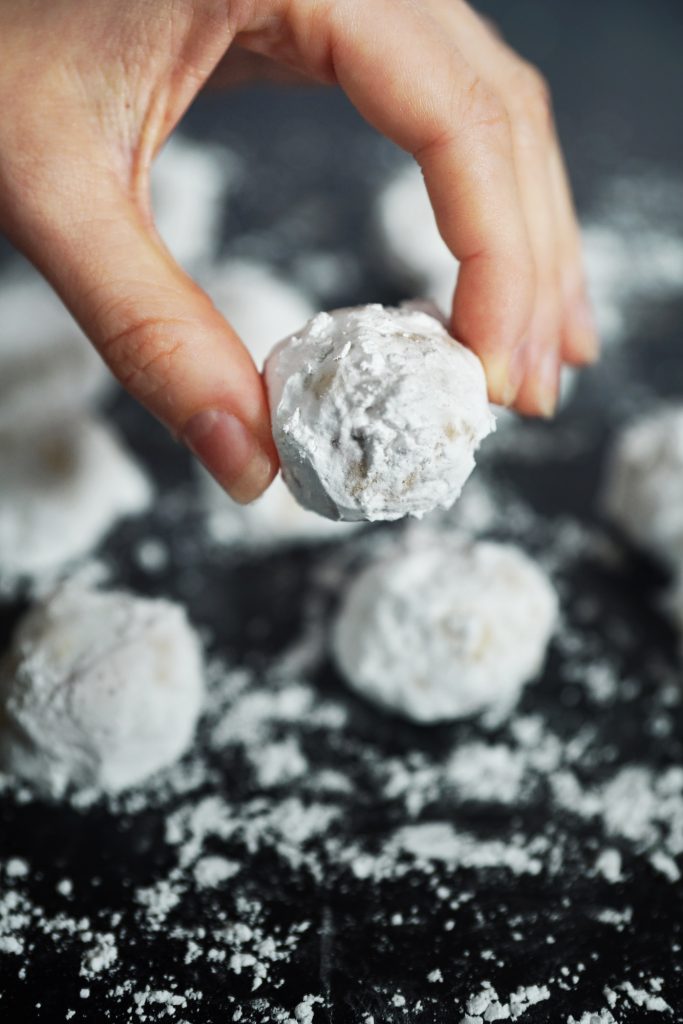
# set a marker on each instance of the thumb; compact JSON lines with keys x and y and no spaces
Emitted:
{"x":158,"y":332}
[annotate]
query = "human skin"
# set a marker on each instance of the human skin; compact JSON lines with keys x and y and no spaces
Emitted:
{"x":90,"y":92}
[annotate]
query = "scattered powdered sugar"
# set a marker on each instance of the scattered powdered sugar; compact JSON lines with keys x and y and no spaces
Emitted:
{"x":212,"y":871}
{"x":488,"y":1006}
{"x":648,"y":1000}
{"x":598,"y":1017}
{"x":101,"y":955}
{"x":299,"y":805}
{"x":376,"y":412}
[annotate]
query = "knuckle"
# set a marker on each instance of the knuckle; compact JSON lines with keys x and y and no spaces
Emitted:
{"x":483,"y":108}
{"x":531,"y":98}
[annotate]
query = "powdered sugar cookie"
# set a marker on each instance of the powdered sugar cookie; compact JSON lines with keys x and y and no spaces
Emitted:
{"x":643,"y":491}
{"x":376,"y":413}
{"x":445,"y":629}
{"x":99,"y":690}
{"x":47,"y":365}
{"x":63,"y":488}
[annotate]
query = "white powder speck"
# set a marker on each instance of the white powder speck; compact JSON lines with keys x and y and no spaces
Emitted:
{"x":304,"y":1012}
{"x":609,"y":865}
{"x":102,"y":955}
{"x":16,"y":868}
{"x":210,"y":871}
{"x":158,"y":900}
{"x":277,"y":764}
{"x":152,"y":554}
{"x":486,"y":1005}
{"x":598,"y":1017}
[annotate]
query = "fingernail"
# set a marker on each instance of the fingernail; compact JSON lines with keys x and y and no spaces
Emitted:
{"x":548,"y":383}
{"x":230,"y":452}
{"x":514,"y":374}
{"x":584,"y":324}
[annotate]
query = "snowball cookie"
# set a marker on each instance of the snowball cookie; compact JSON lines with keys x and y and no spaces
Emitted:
{"x":260,"y":304}
{"x":62,"y":490}
{"x":274,"y":518}
{"x":445,"y":630}
{"x":410,"y":240}
{"x":643,"y":491}
{"x":376,"y":413}
{"x":190,"y":183}
{"x":98,"y":690}
{"x":47,"y":366}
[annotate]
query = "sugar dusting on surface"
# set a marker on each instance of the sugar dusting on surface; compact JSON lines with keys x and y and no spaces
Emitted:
{"x":290,"y":801}
{"x":298,"y":779}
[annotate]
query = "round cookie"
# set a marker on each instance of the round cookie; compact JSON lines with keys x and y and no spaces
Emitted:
{"x":47,"y":366}
{"x":446,"y":629}
{"x":190,"y":183}
{"x":376,"y":413}
{"x":98,"y":690}
{"x":410,"y":240}
{"x":643,"y":491}
{"x":260,"y":305}
{"x":63,"y":488}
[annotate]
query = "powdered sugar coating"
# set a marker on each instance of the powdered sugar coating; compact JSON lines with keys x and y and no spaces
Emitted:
{"x":99,"y":690}
{"x":446,"y":629}
{"x":260,"y":304}
{"x":376,"y":413}
{"x":644,"y":484}
{"x":410,"y":239}
{"x":47,"y":365}
{"x":63,"y":488}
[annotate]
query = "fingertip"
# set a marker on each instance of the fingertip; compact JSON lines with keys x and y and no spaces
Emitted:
{"x":505,"y":373}
{"x":231,"y":452}
{"x":540,"y":390}
{"x":580,"y":341}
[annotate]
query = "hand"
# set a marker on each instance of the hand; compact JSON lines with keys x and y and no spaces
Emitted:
{"x":89,"y":93}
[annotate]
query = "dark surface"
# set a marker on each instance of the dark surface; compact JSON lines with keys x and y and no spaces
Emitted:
{"x":617,"y":76}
